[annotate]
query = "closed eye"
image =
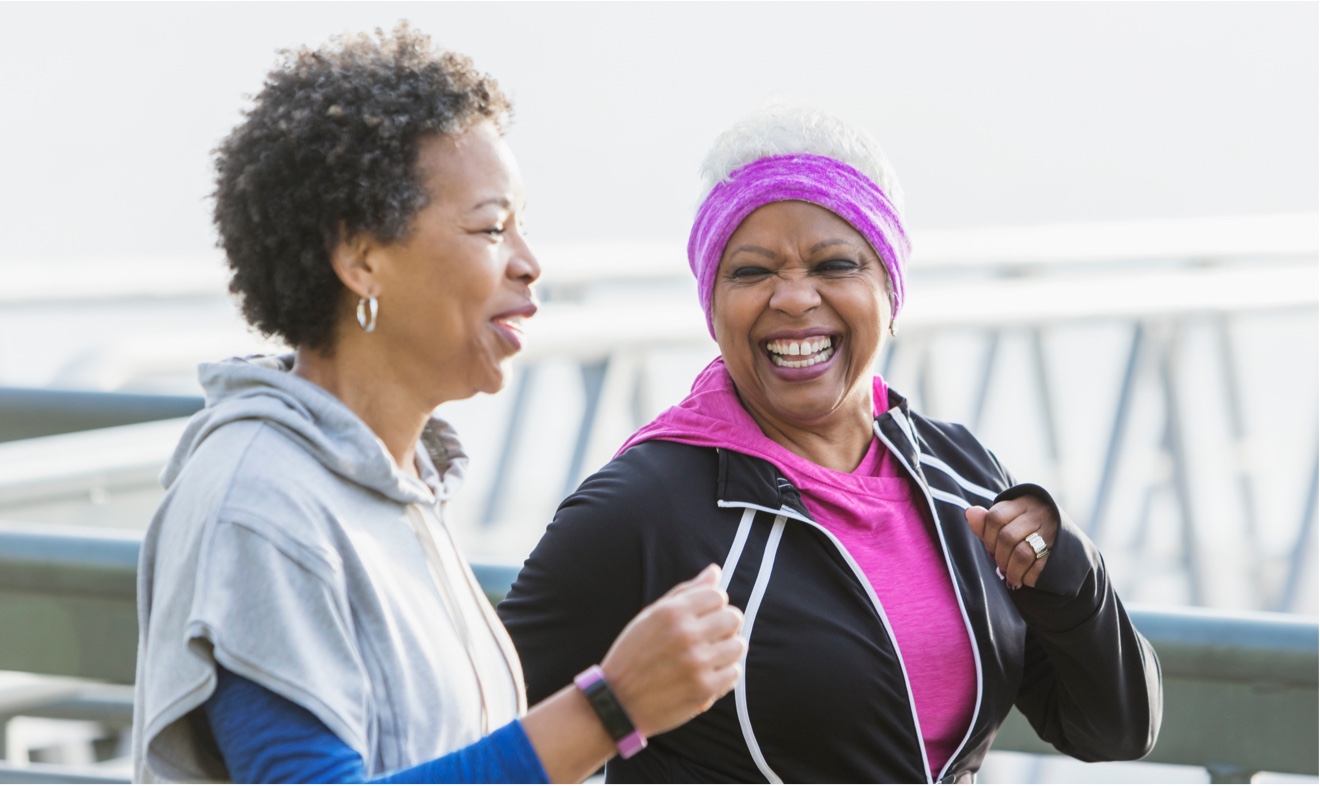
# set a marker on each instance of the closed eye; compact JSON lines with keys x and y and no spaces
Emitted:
{"x":747,"y":272}
{"x":837,"y":266}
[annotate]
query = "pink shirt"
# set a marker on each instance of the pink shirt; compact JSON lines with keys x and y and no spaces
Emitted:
{"x":882,"y":525}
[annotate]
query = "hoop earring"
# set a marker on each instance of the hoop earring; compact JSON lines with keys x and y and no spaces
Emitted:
{"x":367,"y":311}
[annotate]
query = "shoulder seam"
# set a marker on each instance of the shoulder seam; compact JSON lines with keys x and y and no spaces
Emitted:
{"x":239,"y":515}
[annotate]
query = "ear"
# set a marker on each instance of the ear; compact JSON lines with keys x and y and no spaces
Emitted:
{"x":355,"y":263}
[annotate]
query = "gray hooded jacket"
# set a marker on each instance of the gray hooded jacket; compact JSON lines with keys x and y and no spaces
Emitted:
{"x":290,"y":549}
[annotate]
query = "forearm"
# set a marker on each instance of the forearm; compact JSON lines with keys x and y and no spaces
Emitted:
{"x":266,"y":738}
{"x":568,"y":736}
{"x":504,"y":756}
{"x":1091,"y":683}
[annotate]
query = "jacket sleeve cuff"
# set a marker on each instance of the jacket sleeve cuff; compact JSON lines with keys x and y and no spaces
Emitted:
{"x":1069,"y":589}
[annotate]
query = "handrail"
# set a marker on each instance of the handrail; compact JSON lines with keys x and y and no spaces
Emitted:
{"x":1261,"y":648}
{"x":1240,"y":692}
{"x":48,"y":773}
{"x":72,"y":464}
{"x":26,"y":413}
{"x":64,"y":560}
{"x":1240,"y":688}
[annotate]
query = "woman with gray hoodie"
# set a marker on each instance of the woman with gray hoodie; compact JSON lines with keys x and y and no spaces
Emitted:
{"x":304,"y":613}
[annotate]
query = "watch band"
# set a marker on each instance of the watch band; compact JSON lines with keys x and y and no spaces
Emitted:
{"x":620,"y":727}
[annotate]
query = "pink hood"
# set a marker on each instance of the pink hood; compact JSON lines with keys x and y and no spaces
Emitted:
{"x":712,"y":416}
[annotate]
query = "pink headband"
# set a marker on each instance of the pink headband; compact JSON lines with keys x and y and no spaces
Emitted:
{"x":803,"y":177}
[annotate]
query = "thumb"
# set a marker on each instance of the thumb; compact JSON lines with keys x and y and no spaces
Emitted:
{"x":976,"y":519}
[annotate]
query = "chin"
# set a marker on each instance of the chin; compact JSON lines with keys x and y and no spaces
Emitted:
{"x":807,"y":410}
{"x":494,"y":381}
{"x":489,"y":389}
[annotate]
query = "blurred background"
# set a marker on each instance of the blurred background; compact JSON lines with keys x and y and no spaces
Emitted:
{"x":1114,"y":278}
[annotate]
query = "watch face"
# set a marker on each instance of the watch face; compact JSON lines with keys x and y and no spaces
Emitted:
{"x":611,"y":713}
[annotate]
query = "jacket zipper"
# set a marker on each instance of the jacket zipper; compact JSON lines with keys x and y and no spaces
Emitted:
{"x":431,"y":553}
{"x":493,"y":624}
{"x":953,"y":580}
{"x":788,"y":512}
{"x":879,"y":607}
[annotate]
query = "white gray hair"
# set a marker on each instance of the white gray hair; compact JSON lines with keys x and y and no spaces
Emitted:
{"x":782,"y":128}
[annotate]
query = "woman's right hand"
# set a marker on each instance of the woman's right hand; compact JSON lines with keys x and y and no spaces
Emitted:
{"x":678,"y":655}
{"x":670,"y":663}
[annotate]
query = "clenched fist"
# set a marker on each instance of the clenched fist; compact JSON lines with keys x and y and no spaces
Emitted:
{"x":678,"y":655}
{"x":1005,"y":530}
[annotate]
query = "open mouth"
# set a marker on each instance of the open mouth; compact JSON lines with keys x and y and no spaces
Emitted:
{"x":513,"y":322}
{"x":802,"y":353}
{"x":510,"y":324}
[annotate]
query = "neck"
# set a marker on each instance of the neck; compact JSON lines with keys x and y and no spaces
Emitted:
{"x":838,"y":441}
{"x":365,"y":382}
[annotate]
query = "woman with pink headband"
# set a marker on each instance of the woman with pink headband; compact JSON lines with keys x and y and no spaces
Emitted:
{"x":901,"y":591}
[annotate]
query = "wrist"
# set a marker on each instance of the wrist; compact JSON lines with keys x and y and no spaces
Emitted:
{"x":628,"y":740}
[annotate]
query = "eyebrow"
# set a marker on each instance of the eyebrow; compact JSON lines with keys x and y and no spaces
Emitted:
{"x":498,"y":201}
{"x":768,"y":254}
{"x":834,"y":241}
{"x":751,"y":249}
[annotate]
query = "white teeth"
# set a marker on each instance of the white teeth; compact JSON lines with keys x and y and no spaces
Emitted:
{"x":810,"y":346}
{"x":514,"y":323}
{"x":819,"y":357}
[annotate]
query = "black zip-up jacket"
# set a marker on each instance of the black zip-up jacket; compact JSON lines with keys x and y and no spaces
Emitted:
{"x":824,"y":696}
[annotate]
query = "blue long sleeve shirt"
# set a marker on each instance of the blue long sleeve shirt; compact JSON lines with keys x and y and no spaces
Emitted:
{"x":266,"y":738}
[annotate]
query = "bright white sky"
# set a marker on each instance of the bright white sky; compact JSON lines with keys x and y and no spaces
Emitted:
{"x":993,"y":113}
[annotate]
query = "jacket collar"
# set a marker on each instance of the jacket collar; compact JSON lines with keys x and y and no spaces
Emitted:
{"x":897,"y":428}
{"x":748,"y":480}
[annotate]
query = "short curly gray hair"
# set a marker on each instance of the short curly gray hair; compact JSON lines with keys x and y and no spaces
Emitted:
{"x":781,"y":128}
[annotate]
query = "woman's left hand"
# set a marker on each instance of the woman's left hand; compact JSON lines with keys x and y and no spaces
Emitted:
{"x":1005,"y":529}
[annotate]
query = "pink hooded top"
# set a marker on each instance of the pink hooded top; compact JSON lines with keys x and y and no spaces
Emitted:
{"x":872,"y":512}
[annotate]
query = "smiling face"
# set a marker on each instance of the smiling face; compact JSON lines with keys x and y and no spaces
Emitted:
{"x":454,"y":291}
{"x":799,"y":308}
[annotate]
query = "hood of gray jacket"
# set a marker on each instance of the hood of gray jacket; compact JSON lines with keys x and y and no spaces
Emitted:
{"x":262,"y":387}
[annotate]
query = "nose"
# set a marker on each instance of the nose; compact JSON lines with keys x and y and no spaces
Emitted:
{"x":795,"y":294}
{"x":523,"y":265}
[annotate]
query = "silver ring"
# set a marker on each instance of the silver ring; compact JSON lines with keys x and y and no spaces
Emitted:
{"x":1037,"y":544}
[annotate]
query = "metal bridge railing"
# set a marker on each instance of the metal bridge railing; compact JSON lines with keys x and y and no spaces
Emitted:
{"x":1181,"y":448}
{"x":1240,"y":689}
{"x":1195,"y":455}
